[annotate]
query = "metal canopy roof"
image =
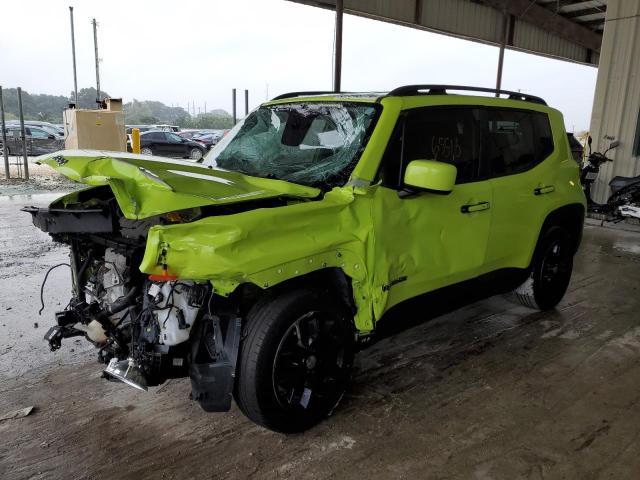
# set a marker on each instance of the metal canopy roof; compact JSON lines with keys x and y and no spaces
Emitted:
{"x":590,"y":14}
{"x":565,"y":29}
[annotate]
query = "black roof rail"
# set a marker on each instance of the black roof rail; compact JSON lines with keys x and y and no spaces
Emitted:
{"x":304,"y":94}
{"x":409,"y":90}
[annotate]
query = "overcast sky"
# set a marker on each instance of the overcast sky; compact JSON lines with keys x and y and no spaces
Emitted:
{"x":183,"y":51}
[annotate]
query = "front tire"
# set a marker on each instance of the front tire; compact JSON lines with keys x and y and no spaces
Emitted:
{"x":295,"y":360}
{"x":551,"y":269}
{"x":146,"y":151}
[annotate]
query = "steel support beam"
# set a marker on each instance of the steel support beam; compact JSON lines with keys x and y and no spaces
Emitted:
{"x":233,"y":106}
{"x":337,"y":66}
{"x":503,"y":43}
{"x":528,"y":11}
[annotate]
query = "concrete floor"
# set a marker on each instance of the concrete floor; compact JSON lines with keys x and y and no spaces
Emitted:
{"x":489,"y":391}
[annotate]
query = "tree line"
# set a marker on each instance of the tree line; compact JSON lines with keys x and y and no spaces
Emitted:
{"x":48,"y":108}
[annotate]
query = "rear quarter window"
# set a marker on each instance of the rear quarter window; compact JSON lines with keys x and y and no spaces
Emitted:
{"x":516,"y":140}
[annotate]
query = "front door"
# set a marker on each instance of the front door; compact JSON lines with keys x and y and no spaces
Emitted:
{"x":176,"y":145}
{"x":432,"y":240}
{"x":41,"y":141}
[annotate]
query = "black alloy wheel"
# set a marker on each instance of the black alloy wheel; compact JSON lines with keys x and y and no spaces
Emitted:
{"x":295,"y":360}
{"x":551,"y":271}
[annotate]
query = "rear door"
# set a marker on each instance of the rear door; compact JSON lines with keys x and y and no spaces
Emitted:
{"x":157,"y":143}
{"x":517,"y":145}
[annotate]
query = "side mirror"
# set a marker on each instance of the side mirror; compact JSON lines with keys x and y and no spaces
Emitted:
{"x":614,"y":144}
{"x":430,"y":176}
{"x":589,"y":142}
{"x":51,"y":137}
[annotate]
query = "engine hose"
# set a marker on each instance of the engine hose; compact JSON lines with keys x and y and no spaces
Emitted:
{"x":117,"y":306}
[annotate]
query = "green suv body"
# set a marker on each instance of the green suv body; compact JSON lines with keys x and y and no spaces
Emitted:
{"x":329,"y":209}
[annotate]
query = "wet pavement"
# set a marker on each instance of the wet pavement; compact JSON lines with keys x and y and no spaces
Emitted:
{"x":491,"y":390}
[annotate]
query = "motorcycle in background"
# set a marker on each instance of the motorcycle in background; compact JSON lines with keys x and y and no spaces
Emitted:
{"x":624,"y":201}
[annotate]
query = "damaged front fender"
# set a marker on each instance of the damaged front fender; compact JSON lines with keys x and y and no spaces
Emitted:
{"x":249,"y":248}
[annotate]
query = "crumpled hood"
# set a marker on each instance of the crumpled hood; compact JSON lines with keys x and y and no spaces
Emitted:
{"x":145,"y":185}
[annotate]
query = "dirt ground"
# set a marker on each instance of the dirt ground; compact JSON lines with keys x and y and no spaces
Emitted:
{"x":491,"y":390}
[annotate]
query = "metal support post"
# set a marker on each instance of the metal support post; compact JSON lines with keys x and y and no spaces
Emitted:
{"x":233,"y":102}
{"x":23,"y":132}
{"x":135,"y":140}
{"x":337,"y":66}
{"x":4,"y":137}
{"x":503,"y":43}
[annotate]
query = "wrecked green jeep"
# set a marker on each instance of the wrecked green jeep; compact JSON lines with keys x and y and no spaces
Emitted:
{"x":258,"y":272}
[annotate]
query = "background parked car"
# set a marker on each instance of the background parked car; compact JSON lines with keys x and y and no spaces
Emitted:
{"x":208,"y":140}
{"x":142,"y":128}
{"x":166,"y":128}
{"x":190,"y":134}
{"x":168,"y":144}
{"x":46,"y":126}
{"x":39,"y":141}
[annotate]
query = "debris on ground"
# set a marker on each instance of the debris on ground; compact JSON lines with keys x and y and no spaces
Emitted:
{"x":23,"y":412}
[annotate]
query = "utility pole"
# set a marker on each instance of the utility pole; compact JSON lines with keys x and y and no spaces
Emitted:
{"x":205,"y":108}
{"x":337,"y":66}
{"x":95,"y":45}
{"x":73,"y":54}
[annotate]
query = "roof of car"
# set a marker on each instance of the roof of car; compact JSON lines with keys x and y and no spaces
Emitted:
{"x":404,"y":91}
{"x":153,"y":131}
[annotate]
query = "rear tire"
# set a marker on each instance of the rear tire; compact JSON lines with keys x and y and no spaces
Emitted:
{"x":295,"y":360}
{"x":551,"y":269}
{"x":195,"y":154}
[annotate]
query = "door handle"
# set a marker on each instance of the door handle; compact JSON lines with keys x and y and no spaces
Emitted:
{"x":475,"y":207}
{"x":543,"y":190}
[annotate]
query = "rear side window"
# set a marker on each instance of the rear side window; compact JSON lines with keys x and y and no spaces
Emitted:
{"x":173,"y":138}
{"x":155,"y":136}
{"x":516,"y":140}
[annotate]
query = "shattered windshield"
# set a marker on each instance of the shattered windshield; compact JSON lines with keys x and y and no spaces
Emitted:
{"x":314,"y":144}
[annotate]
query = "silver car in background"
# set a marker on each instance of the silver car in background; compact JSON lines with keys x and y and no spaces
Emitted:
{"x":39,"y":140}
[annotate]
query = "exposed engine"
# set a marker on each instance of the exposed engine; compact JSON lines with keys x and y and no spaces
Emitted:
{"x":147,"y":329}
